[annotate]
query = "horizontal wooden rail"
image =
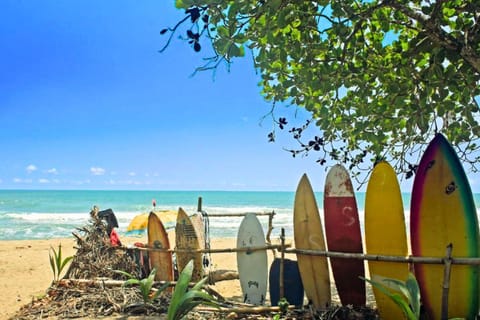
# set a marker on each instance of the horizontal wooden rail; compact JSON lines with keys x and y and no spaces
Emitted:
{"x":226,"y":215}
{"x":221,"y":250}
{"x":376,"y":257}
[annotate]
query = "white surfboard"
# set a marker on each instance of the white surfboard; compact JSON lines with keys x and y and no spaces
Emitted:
{"x":252,"y":266}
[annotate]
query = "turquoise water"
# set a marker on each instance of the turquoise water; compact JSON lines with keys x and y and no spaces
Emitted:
{"x":56,"y":214}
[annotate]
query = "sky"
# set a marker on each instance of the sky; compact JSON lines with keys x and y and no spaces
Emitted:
{"x":88,"y":102}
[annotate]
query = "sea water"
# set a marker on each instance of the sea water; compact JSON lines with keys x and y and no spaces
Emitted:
{"x":45,"y":214}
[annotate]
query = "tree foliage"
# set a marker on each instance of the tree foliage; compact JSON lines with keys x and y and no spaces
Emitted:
{"x":379,"y":78}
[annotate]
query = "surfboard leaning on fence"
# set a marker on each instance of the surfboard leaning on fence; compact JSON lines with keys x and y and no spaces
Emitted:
{"x":442,"y":213}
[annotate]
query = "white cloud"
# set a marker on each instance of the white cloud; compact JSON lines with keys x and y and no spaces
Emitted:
{"x":81,"y":182}
{"x":43,"y":181}
{"x":30,"y":168}
{"x":132,"y":174}
{"x":97,"y":171}
{"x":18,"y":180}
{"x":52,"y":171}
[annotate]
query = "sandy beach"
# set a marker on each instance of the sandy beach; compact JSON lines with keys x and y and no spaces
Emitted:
{"x":25,"y":271}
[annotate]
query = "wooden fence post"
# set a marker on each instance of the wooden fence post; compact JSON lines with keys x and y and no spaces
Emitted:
{"x":282,"y":259}
{"x":446,"y":281}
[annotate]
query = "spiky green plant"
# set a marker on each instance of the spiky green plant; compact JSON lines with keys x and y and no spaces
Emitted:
{"x":145,"y":285}
{"x":406,"y":295}
{"x":184,"y":299}
{"x":57,"y":263}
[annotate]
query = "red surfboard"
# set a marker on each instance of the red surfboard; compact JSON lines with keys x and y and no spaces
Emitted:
{"x":342,"y":229}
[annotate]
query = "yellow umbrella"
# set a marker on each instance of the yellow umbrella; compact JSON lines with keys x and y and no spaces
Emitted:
{"x":140,"y":222}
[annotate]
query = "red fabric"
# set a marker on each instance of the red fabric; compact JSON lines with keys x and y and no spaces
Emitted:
{"x":114,"y":239}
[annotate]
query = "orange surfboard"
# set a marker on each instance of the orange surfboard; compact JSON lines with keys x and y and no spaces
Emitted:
{"x":158,"y":238}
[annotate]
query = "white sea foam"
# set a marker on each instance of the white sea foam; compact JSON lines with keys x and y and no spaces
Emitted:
{"x":38,"y":225}
{"x":48,"y":217}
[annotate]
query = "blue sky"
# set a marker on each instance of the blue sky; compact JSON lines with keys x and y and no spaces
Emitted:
{"x":87,"y":102}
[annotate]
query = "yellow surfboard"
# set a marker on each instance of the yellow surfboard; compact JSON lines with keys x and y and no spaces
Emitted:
{"x":308,"y":235}
{"x":385,"y":233}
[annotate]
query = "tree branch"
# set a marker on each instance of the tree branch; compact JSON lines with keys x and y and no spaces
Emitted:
{"x":441,"y":37}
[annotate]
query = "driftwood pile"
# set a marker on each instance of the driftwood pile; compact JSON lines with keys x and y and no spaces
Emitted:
{"x":86,"y":300}
{"x":95,"y":257}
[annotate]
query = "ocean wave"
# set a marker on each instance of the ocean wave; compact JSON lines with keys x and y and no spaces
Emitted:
{"x":38,"y":225}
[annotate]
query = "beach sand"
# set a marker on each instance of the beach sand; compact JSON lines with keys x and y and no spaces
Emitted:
{"x":25,"y":271}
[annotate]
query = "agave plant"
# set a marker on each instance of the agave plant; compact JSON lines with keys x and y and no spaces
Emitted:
{"x":57,"y":264}
{"x":145,"y":285}
{"x":184,"y":299}
{"x":406,"y":295}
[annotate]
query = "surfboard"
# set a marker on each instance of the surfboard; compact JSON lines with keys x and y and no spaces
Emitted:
{"x":342,"y":231}
{"x":187,"y":237}
{"x":385,"y":233}
{"x":252,"y":266}
{"x":199,"y":226}
{"x":292,"y":282}
{"x":443,"y":212}
{"x":158,"y":238}
{"x":308,"y":235}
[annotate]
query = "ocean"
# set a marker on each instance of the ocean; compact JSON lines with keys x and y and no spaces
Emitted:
{"x":46,"y":214}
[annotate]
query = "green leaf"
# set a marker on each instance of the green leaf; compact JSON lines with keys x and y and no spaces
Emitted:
{"x":399,"y":300}
{"x":124,"y":273}
{"x":199,"y":285}
{"x":65,"y":261}
{"x":160,"y":290}
{"x":221,"y":45}
{"x":131,"y":282}
{"x":223,"y":32}
{"x":52,"y":265}
{"x":58,"y":259}
{"x":296,"y":23}
{"x":274,"y":4}
{"x":414,"y":290}
{"x":183,"y":4}
{"x":180,"y":290}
